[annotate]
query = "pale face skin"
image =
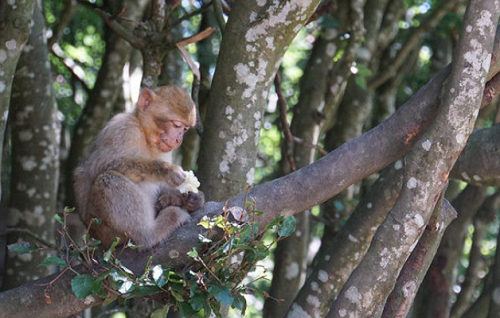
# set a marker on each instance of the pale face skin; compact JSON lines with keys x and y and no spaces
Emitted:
{"x":172,"y":135}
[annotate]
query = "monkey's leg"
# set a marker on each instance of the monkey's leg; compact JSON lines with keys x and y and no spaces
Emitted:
{"x":125,"y":207}
{"x":168,"y":220}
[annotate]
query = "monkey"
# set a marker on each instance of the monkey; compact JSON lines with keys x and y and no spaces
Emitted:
{"x":125,"y":180}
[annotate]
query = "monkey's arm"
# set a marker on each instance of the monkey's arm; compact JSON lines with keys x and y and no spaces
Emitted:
{"x":138,"y":170}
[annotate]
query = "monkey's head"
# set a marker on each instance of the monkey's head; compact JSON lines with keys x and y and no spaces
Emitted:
{"x":165,"y":114}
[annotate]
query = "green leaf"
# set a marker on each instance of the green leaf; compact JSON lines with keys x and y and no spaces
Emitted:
{"x":198,"y":302}
{"x":59,"y":219}
{"x":257,"y":212}
{"x":161,"y":312}
{"x":185,"y":310}
{"x":177,"y":295}
{"x":287,"y":227}
{"x":131,"y":245}
{"x":97,"y":288}
{"x":109,"y":300}
{"x":110,"y":251}
{"x":142,"y":291}
{"x":204,"y":239}
{"x":193,"y":253}
{"x":240,"y":303}
{"x":68,"y":209}
{"x":222,"y":294}
{"x":53,"y":261}
{"x":82,"y":286}
{"x":22,"y":247}
{"x":117,"y":276}
{"x":360,"y":81}
{"x":276,"y":221}
{"x":206,"y":223}
{"x":160,"y":276}
{"x":147,"y":268}
{"x":94,"y":243}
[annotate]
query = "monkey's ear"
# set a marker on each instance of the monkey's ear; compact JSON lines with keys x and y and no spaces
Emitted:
{"x":145,"y":98}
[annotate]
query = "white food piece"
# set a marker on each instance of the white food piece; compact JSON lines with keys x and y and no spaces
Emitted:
{"x":191,"y":183}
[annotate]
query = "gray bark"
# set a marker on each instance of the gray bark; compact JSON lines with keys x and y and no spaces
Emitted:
{"x":436,"y":289}
{"x":291,"y":253}
{"x":35,"y":154}
{"x":15,"y":19}
{"x":255,"y":39}
{"x":426,"y":170}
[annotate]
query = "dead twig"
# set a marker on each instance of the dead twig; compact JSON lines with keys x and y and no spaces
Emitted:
{"x":288,"y":151}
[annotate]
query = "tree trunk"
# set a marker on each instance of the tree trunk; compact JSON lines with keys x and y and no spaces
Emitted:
{"x":244,"y":73}
{"x":15,"y":19}
{"x":35,"y":154}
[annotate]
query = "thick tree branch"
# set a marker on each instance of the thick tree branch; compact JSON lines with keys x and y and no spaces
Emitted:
{"x":478,"y":164}
{"x":411,"y":276}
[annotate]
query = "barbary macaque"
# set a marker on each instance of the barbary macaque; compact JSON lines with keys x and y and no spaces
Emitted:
{"x":125,"y":181}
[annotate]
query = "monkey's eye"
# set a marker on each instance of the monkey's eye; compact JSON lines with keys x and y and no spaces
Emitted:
{"x":162,"y":122}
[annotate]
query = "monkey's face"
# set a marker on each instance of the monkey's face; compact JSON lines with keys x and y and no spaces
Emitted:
{"x":172,"y":132}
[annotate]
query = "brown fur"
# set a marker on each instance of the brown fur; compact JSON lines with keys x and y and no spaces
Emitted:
{"x":124,"y":178}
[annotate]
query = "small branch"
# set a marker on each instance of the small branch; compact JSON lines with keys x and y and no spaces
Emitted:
{"x":91,"y":6}
{"x":158,"y":16}
{"x":284,"y":122}
{"x":74,"y":73}
{"x":219,"y":14}
{"x":323,"y":8}
{"x":126,"y":34}
{"x":301,"y":141}
{"x":191,"y":14}
{"x":30,"y":234}
{"x":491,"y":90}
{"x":196,"y":72}
{"x":66,"y":17}
{"x":197,"y":37}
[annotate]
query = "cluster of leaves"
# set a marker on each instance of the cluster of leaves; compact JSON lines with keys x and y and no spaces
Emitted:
{"x":213,"y":279}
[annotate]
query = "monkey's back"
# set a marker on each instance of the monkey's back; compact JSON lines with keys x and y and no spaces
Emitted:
{"x":121,"y":137}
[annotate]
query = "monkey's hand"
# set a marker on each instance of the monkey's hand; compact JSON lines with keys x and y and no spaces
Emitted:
{"x":176,"y":176}
{"x":168,"y":198}
{"x":193,"y":201}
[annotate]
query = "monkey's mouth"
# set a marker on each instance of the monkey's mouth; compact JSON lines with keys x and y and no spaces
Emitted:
{"x":164,"y":146}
